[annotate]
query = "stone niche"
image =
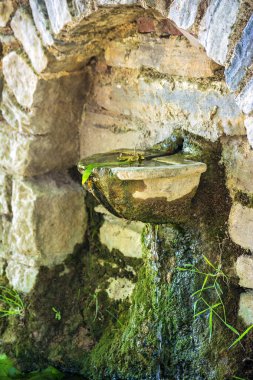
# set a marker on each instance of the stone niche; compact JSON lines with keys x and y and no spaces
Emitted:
{"x":84,"y":77}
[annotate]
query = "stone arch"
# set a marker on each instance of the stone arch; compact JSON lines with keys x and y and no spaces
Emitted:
{"x":49,"y":57}
{"x":44,"y":58}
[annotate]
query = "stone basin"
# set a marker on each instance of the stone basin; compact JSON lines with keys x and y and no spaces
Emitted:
{"x":154,"y":190}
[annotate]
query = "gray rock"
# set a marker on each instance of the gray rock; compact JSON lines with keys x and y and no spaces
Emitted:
{"x":241,"y":226}
{"x":49,"y":217}
{"x":238,"y":159}
{"x":117,"y":233}
{"x":41,"y":21}
{"x":249,"y":128}
{"x":83,"y":7}
{"x":21,"y":277}
{"x":245,"y":98}
{"x":216,"y":27}
{"x":244,"y":270}
{"x":163,"y":106}
{"x":20,"y":78}
{"x":5,"y":195}
{"x":184,"y":12}
{"x":25,"y":31}
{"x":246,"y":307}
{"x":58,"y":13}
{"x":104,"y":3}
{"x":242,"y":58}
{"x":29,"y":155}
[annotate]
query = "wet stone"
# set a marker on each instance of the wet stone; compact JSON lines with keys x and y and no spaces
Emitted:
{"x":242,"y":58}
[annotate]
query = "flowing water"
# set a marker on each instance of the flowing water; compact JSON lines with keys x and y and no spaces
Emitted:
{"x":155,"y":265}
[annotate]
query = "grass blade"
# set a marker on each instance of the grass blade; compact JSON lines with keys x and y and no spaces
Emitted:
{"x":231,"y":328}
{"x":210,"y":324}
{"x":209,"y":262}
{"x":201,"y":312}
{"x":241,"y":336}
{"x":201,"y":290}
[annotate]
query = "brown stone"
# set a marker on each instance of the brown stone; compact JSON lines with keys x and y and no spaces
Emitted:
{"x":145,"y":25}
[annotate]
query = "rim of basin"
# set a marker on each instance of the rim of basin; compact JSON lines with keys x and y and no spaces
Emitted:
{"x":170,"y":169}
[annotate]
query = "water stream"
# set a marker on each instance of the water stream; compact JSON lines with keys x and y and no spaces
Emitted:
{"x":155,"y":265}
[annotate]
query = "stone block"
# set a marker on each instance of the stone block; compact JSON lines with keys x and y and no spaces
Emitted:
{"x":245,"y":98}
{"x":184,"y":12}
{"x":238,"y":160}
{"x":246,"y":307}
{"x":120,"y":288}
{"x":244,"y":270}
{"x":241,"y":226}
{"x":25,"y":31}
{"x":145,"y":25}
{"x":21,"y":277}
{"x":41,"y":21}
{"x":5,"y":194}
{"x":5,"y":238}
{"x":117,"y":233}
{"x":6,"y":9}
{"x":112,"y":131}
{"x":242,"y":58}
{"x":59,"y":112}
{"x":249,"y":128}
{"x":108,"y":3}
{"x":173,"y":56}
{"x":49,"y":218}
{"x":164,"y":105}
{"x":29,"y":155}
{"x":13,"y":113}
{"x":83,"y":7}
{"x":20,"y":78}
{"x":216,"y":27}
{"x":59,"y":15}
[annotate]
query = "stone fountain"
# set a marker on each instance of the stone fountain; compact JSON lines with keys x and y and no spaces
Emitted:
{"x":143,"y":185}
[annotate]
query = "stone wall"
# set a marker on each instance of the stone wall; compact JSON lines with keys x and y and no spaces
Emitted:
{"x":81,"y":77}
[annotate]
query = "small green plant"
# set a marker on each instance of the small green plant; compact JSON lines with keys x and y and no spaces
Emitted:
{"x":122,"y":160}
{"x":7,"y":368}
{"x":212,"y":282}
{"x":57,"y":314}
{"x":9,"y":371}
{"x":10,"y":302}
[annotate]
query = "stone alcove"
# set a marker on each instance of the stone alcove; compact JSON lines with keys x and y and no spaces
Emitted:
{"x":105,"y":75}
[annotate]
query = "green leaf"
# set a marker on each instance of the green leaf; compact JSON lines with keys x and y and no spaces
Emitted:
{"x":209,"y":262}
{"x":87,"y":173}
{"x":231,"y":328}
{"x":201,"y":312}
{"x":210,"y":324}
{"x":201,"y":290}
{"x":241,"y":336}
{"x":210,"y":307}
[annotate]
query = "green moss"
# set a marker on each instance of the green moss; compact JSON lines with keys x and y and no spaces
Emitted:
{"x":131,"y":348}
